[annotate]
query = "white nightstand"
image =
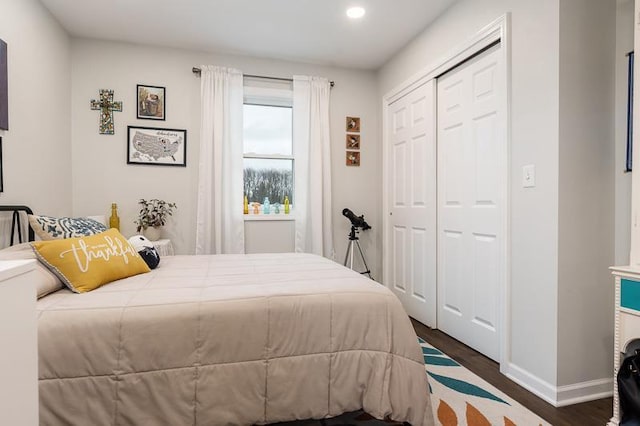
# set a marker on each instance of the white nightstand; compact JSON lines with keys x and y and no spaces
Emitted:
{"x":627,"y":324}
{"x":164,"y":247}
{"x":19,"y":337}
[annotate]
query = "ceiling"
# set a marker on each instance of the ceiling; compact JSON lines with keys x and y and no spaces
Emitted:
{"x":315,"y":31}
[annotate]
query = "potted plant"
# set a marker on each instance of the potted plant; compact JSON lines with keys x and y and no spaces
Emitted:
{"x":153,"y":215}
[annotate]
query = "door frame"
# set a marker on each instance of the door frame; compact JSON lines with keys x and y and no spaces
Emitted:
{"x":498,"y":30}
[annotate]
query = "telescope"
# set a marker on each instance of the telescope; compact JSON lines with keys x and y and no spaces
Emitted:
{"x":356,"y":221}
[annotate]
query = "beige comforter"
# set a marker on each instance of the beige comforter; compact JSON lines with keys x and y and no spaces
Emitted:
{"x":232,"y":339}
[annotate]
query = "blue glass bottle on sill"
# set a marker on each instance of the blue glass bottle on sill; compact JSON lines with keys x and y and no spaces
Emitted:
{"x":266,"y":209}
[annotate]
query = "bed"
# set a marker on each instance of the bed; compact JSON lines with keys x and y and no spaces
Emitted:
{"x":229,"y":339}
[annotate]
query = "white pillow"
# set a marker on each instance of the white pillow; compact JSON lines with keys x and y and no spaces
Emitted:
{"x":46,"y":281}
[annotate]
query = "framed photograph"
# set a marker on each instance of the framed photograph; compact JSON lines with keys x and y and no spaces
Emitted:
{"x":353,"y":124}
{"x":353,"y":158}
{"x":4,"y":98}
{"x":158,"y":147}
{"x":353,"y":141}
{"x":151,"y":102}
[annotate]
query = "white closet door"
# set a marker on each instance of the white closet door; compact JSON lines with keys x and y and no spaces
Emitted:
{"x":411,"y":194}
{"x":471,"y":201}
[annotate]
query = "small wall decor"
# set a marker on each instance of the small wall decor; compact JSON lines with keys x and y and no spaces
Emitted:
{"x":353,"y":158}
{"x":151,"y":102}
{"x":107,"y":107}
{"x":160,"y":147}
{"x":353,"y":141}
{"x":4,"y":86}
{"x":353,"y":124}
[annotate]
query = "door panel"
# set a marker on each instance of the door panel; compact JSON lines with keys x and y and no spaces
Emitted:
{"x":419,"y":276}
{"x":412,"y":202}
{"x":471,"y":206}
{"x":452,"y":294}
{"x":399,"y":160}
{"x":399,"y":259}
{"x":419,"y":192}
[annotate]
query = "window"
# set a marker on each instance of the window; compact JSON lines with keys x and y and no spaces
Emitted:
{"x":268,"y":147}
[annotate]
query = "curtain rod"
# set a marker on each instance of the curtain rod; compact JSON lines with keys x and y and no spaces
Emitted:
{"x":197,"y":71}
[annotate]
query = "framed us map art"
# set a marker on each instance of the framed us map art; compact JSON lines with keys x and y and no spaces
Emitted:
{"x":158,"y":147}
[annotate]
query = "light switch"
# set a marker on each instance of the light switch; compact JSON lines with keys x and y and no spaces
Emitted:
{"x":529,"y":176}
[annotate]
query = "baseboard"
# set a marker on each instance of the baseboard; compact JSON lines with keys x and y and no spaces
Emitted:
{"x":560,"y":396}
{"x":532,"y":383}
{"x":584,"y":392}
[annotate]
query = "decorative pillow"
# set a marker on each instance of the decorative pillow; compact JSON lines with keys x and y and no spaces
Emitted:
{"x":46,"y":282}
{"x":54,"y":228}
{"x":146,"y":250}
{"x":86,"y":263}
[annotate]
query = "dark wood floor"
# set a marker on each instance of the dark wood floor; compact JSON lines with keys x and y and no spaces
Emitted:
{"x":585,"y":414}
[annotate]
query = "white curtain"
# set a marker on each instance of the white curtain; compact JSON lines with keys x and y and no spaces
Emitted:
{"x":312,"y":142}
{"x":219,"y":222}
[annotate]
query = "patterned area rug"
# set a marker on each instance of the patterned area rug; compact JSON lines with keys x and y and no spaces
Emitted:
{"x":458,"y":396}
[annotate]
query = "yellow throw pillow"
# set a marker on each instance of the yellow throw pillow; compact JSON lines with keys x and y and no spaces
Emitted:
{"x":86,"y":263}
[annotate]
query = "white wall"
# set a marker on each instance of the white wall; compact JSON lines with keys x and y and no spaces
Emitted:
{"x":624,"y":45}
{"x":269,"y":237}
{"x":534,"y":116}
{"x":586,"y":219}
{"x":101,"y":175}
{"x":36,"y":150}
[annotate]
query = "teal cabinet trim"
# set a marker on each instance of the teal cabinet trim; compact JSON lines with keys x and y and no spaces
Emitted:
{"x":630,"y":294}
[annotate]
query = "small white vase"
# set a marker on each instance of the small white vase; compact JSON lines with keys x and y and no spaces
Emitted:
{"x":153,"y":233}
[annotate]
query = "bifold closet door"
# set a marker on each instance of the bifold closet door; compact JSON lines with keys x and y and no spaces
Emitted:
{"x":411,"y":195}
{"x":471,"y":201}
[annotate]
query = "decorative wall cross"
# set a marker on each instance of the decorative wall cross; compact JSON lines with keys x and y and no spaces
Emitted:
{"x":107,"y":106}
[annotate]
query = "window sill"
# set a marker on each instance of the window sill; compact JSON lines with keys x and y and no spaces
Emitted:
{"x":268,"y":217}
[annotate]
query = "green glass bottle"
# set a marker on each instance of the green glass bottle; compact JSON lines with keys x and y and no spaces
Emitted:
{"x":286,"y":205}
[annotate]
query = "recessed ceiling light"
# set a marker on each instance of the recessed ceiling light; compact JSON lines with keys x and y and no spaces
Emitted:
{"x":355,"y":12}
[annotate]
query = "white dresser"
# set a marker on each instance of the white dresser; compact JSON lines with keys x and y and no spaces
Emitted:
{"x":19,"y":347}
{"x":627,"y":322}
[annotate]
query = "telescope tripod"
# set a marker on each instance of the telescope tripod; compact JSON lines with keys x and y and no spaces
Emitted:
{"x":354,"y":241}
